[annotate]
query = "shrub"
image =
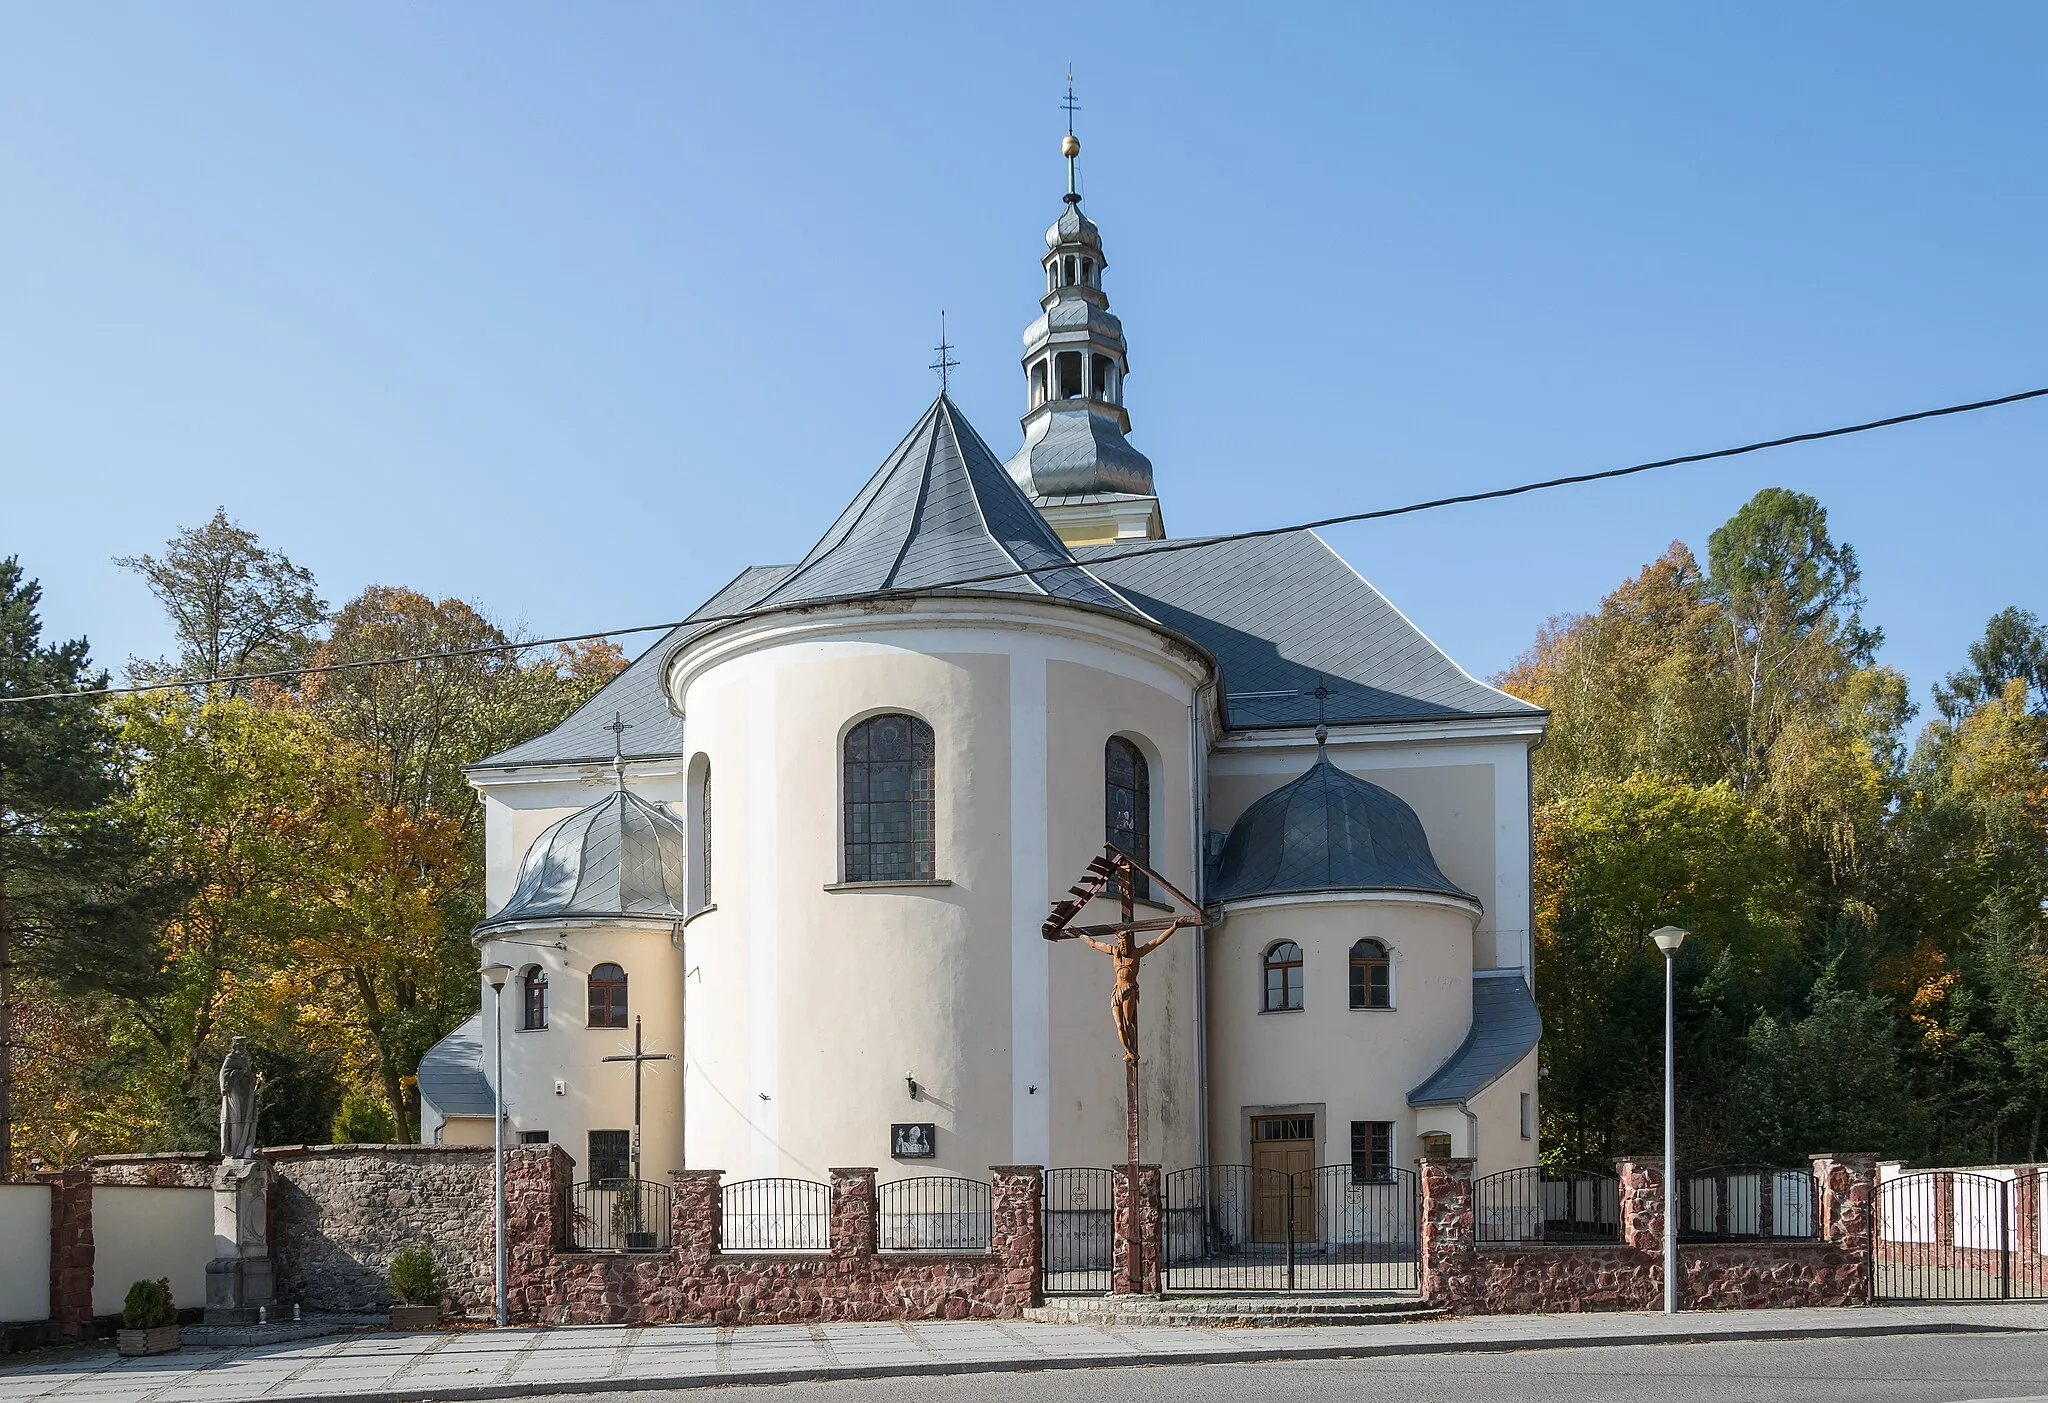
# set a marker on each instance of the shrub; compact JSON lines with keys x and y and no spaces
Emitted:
{"x":364,"y":1120}
{"x":148,"y":1305}
{"x":416,"y":1277}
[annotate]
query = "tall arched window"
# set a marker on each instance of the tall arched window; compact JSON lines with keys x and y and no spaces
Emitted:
{"x":1127,"y":803}
{"x":704,"y":837}
{"x":887,"y":775}
{"x":1283,"y":977}
{"x":1372,"y":982}
{"x":607,"y":997}
{"x":533,"y":997}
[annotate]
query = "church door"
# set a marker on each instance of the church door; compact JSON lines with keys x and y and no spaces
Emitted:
{"x":1283,"y":1153}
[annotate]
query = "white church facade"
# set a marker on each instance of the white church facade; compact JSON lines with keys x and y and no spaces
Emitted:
{"x":807,"y":841}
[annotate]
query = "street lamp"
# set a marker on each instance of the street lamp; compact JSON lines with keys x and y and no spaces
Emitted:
{"x":495,"y":976}
{"x":1668,"y":939}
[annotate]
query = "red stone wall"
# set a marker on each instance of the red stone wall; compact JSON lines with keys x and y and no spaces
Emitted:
{"x":1151,"y":1226}
{"x":178,"y":1169}
{"x":1461,"y":1275}
{"x":71,"y":1251}
{"x":696,"y":1282}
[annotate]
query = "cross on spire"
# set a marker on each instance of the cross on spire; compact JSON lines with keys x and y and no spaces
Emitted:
{"x":619,"y":726}
{"x":945,"y":363}
{"x":1071,"y":147}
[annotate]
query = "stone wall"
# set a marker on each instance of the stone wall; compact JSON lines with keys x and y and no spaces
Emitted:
{"x":695,"y":1281}
{"x":1465,"y":1276}
{"x":71,"y":1252}
{"x":1151,"y":1230}
{"x":177,"y":1169}
{"x":339,"y":1213}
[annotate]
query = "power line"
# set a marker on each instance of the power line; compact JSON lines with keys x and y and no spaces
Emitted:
{"x":1156,"y":548}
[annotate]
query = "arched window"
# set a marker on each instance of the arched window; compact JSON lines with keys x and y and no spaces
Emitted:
{"x":1372,"y":983}
{"x":533,"y":997}
{"x":888,"y":787}
{"x":700,"y":834}
{"x":1070,"y":270}
{"x":607,"y":997}
{"x":1283,"y":977}
{"x":1038,"y":383}
{"x":1127,"y":803}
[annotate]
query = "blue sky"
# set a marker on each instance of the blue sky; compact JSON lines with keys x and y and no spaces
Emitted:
{"x":573,"y":311}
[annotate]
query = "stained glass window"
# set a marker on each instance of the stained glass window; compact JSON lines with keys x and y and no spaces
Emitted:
{"x":1127,"y":803}
{"x":887,"y":778}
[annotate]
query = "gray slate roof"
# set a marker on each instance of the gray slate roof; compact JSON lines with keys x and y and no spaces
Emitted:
{"x":620,"y":856}
{"x":1328,"y":831}
{"x":452,"y":1073}
{"x":940,"y":508}
{"x":1283,"y":613}
{"x":1505,"y":1025}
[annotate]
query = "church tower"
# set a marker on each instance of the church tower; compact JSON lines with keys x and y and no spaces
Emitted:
{"x":1075,"y":465}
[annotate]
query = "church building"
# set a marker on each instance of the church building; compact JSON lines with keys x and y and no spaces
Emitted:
{"x":803,"y":848}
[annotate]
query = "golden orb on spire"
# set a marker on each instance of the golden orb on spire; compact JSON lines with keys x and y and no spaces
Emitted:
{"x":1070,"y":146}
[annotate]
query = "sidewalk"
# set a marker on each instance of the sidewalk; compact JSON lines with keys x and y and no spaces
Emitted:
{"x":482,"y":1364}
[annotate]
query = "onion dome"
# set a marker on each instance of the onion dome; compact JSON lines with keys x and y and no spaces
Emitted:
{"x":1328,"y":831}
{"x":1073,"y":227}
{"x":618,"y":857}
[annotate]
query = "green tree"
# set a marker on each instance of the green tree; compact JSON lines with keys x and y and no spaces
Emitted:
{"x":237,"y":606}
{"x":1830,"y":1080}
{"x":2014,"y":648}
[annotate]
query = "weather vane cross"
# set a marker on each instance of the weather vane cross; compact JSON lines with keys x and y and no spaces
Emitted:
{"x":945,"y":363}
{"x":619,"y":726}
{"x":1071,"y":146}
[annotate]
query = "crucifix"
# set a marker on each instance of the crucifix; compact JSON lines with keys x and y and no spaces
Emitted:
{"x":639,"y":1057}
{"x":1120,"y":941}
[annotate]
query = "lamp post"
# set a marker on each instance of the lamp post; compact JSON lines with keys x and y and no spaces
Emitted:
{"x":1668,"y":939}
{"x":495,"y":976}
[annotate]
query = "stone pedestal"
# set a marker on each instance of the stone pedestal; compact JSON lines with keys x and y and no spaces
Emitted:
{"x":240,"y":1278}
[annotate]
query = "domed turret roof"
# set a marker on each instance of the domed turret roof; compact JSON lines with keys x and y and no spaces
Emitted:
{"x":620,"y":856}
{"x":1328,"y":831}
{"x":1073,"y":227}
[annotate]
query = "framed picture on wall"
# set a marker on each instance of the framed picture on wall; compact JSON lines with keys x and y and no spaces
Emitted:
{"x":913,"y":1141}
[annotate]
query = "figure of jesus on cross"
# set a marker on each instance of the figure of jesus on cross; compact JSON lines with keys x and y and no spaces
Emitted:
{"x":1120,"y":941}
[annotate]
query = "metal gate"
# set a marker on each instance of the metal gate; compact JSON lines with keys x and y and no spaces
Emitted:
{"x":1077,"y":1223}
{"x":1241,"y":1227}
{"x":1950,"y":1235}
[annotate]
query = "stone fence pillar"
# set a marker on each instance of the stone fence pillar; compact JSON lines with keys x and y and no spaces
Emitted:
{"x":696,"y":1223}
{"x":1142,"y":1277}
{"x":1845,"y":1192}
{"x":71,"y":1250}
{"x":1016,"y":1230}
{"x":1449,"y":1248}
{"x":854,"y":1222}
{"x":1642,"y":1205}
{"x":2026,"y":1210}
{"x":535,"y":1178}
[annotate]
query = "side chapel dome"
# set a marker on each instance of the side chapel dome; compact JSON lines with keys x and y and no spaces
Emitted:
{"x":620,"y":856}
{"x":1328,"y":831}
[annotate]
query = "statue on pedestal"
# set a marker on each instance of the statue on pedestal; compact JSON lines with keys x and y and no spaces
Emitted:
{"x":237,"y":1103}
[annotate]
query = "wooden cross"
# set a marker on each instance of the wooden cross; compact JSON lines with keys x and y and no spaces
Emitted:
{"x":1119,"y":940}
{"x":639,"y":1059}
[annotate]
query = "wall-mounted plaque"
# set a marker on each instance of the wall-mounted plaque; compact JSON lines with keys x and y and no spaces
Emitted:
{"x":914,"y":1141}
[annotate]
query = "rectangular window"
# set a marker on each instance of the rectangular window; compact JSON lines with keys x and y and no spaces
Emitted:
{"x":611,"y":1156}
{"x":1284,"y":1128}
{"x":533,"y":1137}
{"x":1528,"y":1116}
{"x":1372,"y":1151}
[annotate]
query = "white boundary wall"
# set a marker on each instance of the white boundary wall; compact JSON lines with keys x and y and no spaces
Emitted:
{"x":141,"y":1234}
{"x":25,"y":1248}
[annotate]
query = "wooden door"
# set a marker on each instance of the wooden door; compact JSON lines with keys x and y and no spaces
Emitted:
{"x":1283,"y":1153}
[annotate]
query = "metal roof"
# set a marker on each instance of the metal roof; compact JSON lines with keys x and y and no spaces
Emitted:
{"x":1070,"y":448}
{"x":452,"y":1076}
{"x":1505,"y":1025}
{"x":940,"y":508}
{"x":1328,"y":831}
{"x":620,"y":856}
{"x":1284,"y":614}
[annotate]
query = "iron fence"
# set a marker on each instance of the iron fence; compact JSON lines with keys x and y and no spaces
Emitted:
{"x":1078,"y":1224}
{"x":1546,"y":1204}
{"x":1747,"y":1203}
{"x":775,"y":1215}
{"x":1240,"y":1227}
{"x":1953,"y":1235}
{"x":616,"y":1215}
{"x":934,"y":1213}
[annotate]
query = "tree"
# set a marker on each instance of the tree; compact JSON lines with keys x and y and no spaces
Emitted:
{"x":74,"y":907}
{"x":2014,"y":648}
{"x":1830,"y":1080}
{"x":237,"y":607}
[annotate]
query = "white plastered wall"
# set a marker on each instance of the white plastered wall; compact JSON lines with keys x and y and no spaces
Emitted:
{"x":1498,"y":1109}
{"x":25,"y":1241}
{"x":141,"y":1234}
{"x":809,"y":1006}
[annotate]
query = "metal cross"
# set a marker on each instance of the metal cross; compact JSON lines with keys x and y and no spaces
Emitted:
{"x":618,"y":728}
{"x":1070,"y":105}
{"x":945,"y":362}
{"x":639,"y":1058}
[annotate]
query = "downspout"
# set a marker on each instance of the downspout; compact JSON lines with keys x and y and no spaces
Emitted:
{"x":1471,"y":1133}
{"x":1197,"y":834}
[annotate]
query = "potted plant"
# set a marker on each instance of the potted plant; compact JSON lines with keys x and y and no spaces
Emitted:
{"x":417,"y":1281}
{"x":149,"y":1319}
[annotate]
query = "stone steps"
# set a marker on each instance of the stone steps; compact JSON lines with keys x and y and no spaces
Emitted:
{"x":1232,"y":1311}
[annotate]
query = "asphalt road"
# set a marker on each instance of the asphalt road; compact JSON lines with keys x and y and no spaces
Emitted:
{"x":1885,"y":1369}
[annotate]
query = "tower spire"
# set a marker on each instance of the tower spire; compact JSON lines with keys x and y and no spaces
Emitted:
{"x":1071,"y":147}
